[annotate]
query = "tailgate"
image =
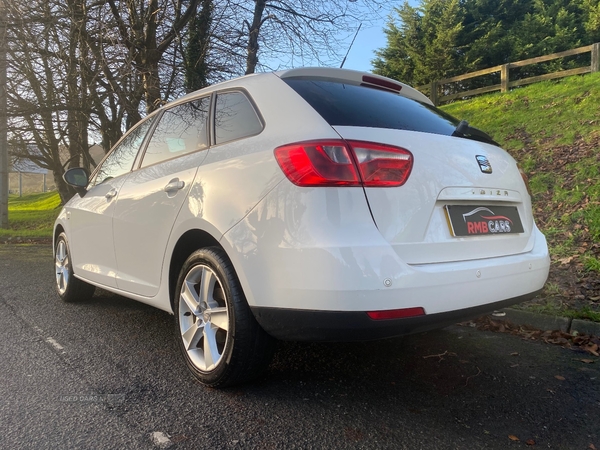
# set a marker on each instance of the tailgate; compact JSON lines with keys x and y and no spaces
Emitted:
{"x":450,"y":209}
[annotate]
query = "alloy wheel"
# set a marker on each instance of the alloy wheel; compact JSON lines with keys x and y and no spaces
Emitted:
{"x":61,"y":262}
{"x":203,"y":317}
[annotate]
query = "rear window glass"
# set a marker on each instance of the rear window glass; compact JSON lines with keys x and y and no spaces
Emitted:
{"x":358,"y":106}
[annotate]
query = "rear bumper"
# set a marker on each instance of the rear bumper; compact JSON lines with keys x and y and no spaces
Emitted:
{"x":347,"y":326}
{"x":312,"y":262}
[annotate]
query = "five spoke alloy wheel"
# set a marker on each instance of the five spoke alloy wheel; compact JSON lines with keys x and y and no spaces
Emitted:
{"x":203,"y":317}
{"x":221,"y":341}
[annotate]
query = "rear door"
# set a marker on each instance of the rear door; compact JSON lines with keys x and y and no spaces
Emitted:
{"x":152,"y":195}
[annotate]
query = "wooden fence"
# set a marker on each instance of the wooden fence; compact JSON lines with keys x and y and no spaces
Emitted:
{"x":436,"y":88}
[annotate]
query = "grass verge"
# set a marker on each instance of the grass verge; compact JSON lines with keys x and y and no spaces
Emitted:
{"x":31,"y":216}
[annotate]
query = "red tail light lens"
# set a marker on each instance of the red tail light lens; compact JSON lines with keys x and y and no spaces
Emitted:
{"x":382,"y":165}
{"x":341,"y":163}
{"x":326,"y":163}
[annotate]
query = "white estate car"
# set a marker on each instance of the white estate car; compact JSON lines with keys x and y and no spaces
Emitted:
{"x":306,"y":204}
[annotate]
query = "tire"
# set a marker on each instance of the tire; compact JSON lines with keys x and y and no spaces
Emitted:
{"x":221,"y":341}
{"x":69,"y":288}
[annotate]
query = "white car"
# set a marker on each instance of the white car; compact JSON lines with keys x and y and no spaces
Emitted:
{"x":306,"y":204}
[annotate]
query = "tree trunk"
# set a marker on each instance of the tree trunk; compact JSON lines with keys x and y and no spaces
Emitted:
{"x":151,"y":81}
{"x":77,"y":100}
{"x":252,"y":58}
{"x":65,"y":191}
{"x":196,"y":52}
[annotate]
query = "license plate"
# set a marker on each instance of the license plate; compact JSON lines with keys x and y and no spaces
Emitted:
{"x":483,"y":220}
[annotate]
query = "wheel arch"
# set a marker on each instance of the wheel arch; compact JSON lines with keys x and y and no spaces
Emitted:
{"x":57,"y":230}
{"x":187,"y":244}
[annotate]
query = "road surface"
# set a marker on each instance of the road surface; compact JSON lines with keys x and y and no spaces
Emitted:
{"x":107,"y":374}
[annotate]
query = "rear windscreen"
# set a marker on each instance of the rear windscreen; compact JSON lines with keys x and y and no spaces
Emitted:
{"x":359,"y":106}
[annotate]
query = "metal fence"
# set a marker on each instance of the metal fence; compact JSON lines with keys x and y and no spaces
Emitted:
{"x":21,"y":183}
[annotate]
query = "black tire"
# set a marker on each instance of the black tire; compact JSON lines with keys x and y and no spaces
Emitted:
{"x":233,"y":349}
{"x":69,"y":288}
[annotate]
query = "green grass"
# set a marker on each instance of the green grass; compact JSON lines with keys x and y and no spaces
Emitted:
{"x":555,"y":308}
{"x":31,"y":216}
{"x":558,"y":111}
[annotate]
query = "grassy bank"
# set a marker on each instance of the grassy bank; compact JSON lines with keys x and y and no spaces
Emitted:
{"x":31,"y":216}
{"x":553,"y":130}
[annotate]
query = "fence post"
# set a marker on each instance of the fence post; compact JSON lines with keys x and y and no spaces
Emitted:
{"x":595,"y":67}
{"x":504,"y":78}
{"x":434,"y":93}
{"x":20,"y":184}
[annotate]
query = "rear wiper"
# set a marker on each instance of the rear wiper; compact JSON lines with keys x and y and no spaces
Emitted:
{"x":464,"y":130}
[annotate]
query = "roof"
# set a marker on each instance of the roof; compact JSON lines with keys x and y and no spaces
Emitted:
{"x":355,"y":76}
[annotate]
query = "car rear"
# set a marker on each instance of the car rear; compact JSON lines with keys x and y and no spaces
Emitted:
{"x":408,"y":219}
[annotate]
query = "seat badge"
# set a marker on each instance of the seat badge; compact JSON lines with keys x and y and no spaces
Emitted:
{"x":484,"y":164}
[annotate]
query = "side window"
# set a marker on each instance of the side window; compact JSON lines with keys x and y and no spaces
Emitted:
{"x":122,"y":156}
{"x":235,"y":117}
{"x":181,"y":130}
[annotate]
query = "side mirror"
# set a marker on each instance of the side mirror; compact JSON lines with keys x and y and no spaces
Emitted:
{"x":79,"y":178}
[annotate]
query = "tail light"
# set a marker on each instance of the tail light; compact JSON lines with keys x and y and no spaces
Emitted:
{"x":344,"y":163}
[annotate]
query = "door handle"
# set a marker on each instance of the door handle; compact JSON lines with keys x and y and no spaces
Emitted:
{"x":174,"y":185}
{"x":110,"y":194}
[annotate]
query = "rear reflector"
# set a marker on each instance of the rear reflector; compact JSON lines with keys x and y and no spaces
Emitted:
{"x":344,"y":163}
{"x":396,"y":313}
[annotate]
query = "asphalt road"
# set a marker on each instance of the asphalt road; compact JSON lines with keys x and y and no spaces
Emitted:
{"x":107,"y":374}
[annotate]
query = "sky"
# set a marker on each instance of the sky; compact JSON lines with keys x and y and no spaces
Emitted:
{"x":370,"y":38}
{"x":367,"y":41}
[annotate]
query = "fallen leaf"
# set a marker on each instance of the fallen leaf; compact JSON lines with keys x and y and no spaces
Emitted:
{"x":592,"y":447}
{"x":530,"y":442}
{"x":514,"y":354}
{"x":587,"y":361}
{"x":514,"y":365}
{"x":566,"y":260}
{"x":512,"y":437}
{"x":559,"y":377}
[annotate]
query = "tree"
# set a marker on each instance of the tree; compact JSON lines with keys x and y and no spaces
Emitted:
{"x":441,"y":38}
{"x":591,"y":19}
{"x":147,"y":29}
{"x":41,"y":79}
{"x":3,"y":123}
{"x":248,"y":33}
{"x":425,"y":46}
{"x":83,"y":70}
{"x":70,"y":78}
{"x":196,"y":53}
{"x":399,"y":58}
